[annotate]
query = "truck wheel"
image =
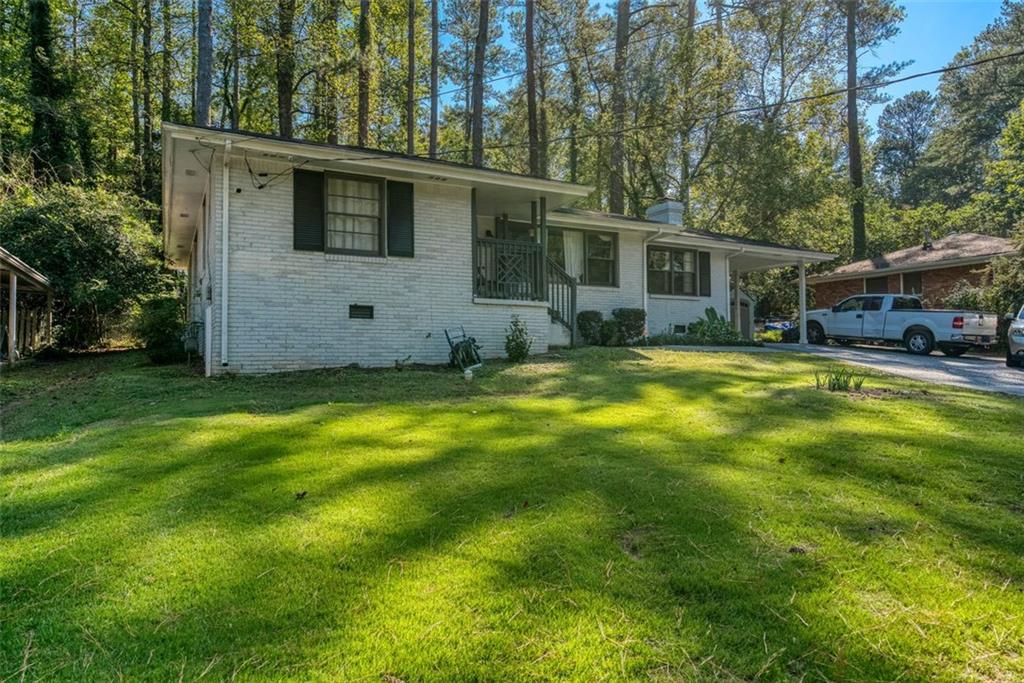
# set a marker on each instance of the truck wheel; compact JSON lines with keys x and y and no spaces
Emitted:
{"x":953,"y":351}
{"x":815,"y":333}
{"x":919,"y":341}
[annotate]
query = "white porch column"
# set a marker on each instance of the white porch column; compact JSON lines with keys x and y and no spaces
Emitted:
{"x":803,"y":302}
{"x":12,"y":317}
{"x":737,"y":316}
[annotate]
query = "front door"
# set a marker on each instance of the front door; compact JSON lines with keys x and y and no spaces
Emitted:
{"x":847,"y":318}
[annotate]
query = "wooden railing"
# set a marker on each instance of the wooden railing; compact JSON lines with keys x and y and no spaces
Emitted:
{"x":508,"y":269}
{"x":562,"y":297}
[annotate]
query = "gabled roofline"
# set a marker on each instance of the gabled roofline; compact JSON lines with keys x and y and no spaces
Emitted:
{"x":910,"y":268}
{"x":394,"y":161}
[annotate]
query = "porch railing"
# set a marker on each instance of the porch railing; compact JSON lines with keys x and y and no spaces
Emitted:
{"x":508,"y":269}
{"x":562,"y":298}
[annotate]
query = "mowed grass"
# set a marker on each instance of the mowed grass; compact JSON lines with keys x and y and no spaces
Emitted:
{"x":599,"y":514}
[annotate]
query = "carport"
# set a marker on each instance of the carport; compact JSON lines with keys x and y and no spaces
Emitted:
{"x":752,"y":256}
{"x":29,"y":302}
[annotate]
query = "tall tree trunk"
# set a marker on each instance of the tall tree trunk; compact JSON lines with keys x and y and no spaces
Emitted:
{"x":365,"y":39}
{"x":285,"y":65}
{"x":410,"y":80}
{"x":165,"y":61}
{"x":687,"y":128}
{"x":853,"y":134}
{"x":542,"y":99}
{"x":204,"y":62}
{"x":133,"y":67}
{"x":147,"y":96}
{"x":467,"y":104}
{"x":616,"y":202}
{"x":434,"y":49}
{"x":236,"y":80}
{"x":329,"y":79}
{"x":478,"y":83}
{"x":576,"y":106}
{"x":531,"y":87}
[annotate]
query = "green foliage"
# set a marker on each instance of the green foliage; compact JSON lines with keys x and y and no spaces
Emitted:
{"x":769,"y":336}
{"x":99,"y":253}
{"x":632,"y":323}
{"x":518,"y":340}
{"x":610,"y":333}
{"x":713,"y":329}
{"x":838,"y":378}
{"x":588,"y":326}
{"x":159,"y":326}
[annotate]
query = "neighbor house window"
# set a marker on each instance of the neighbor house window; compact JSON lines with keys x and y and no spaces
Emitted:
{"x":912,"y":283}
{"x":590,"y":257}
{"x":876,"y":285}
{"x":354,"y":215}
{"x":673,"y":271}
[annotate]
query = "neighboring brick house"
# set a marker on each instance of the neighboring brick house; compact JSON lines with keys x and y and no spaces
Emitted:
{"x":930,"y":270}
{"x":306,"y":255}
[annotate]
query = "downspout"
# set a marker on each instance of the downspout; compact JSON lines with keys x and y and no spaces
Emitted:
{"x":646,"y":241}
{"x":225,"y":203}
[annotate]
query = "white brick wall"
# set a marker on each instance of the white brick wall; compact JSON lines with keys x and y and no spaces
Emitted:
{"x":288,"y":310}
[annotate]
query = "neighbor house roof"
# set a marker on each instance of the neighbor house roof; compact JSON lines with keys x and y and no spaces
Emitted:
{"x":960,"y":249}
{"x":28,"y":277}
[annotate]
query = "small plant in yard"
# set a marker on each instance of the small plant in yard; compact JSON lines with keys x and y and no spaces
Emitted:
{"x":159,"y":327}
{"x":713,"y":328}
{"x":837,"y":378}
{"x":517,"y":341}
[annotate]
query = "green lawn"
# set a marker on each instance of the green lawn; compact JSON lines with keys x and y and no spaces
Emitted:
{"x":603,"y":514}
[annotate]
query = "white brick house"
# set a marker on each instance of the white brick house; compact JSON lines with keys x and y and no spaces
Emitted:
{"x":306,"y":255}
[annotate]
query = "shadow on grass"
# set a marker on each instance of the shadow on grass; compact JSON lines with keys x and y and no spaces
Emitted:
{"x":606,"y":515}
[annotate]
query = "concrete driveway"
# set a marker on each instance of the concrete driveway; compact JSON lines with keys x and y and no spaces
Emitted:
{"x":971,"y":372}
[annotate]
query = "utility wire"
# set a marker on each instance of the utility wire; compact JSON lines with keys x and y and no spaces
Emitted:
{"x":755,"y":108}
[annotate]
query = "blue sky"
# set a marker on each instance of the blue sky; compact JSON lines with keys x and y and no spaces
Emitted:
{"x":932,"y":32}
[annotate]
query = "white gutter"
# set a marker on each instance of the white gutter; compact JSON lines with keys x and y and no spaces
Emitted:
{"x":225,"y":203}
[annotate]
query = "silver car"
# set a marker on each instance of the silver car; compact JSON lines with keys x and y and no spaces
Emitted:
{"x":1015,"y":341}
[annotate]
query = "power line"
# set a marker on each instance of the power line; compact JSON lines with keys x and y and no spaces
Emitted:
{"x":755,"y":108}
{"x":574,"y":58}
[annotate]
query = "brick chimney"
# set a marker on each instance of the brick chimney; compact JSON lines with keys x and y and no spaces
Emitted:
{"x":666,"y":211}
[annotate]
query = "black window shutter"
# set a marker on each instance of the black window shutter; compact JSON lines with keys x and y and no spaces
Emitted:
{"x":308,"y":211}
{"x":704,"y":272}
{"x":400,"y":219}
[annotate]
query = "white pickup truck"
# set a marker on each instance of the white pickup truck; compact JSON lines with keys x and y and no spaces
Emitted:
{"x":902,"y":319}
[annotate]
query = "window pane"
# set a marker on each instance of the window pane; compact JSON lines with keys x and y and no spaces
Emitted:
{"x":876,"y":285}
{"x":684,"y":283}
{"x":351,"y":187}
{"x":599,"y":246}
{"x":684,"y":262}
{"x":363,"y":207}
{"x":600,"y":272}
{"x":658,"y":266}
{"x":353,"y":214}
{"x":556,"y":247}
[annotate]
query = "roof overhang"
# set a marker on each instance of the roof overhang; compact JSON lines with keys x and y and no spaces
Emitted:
{"x":910,"y":268}
{"x":744,"y":257}
{"x":189,"y":150}
{"x":29,"y":278}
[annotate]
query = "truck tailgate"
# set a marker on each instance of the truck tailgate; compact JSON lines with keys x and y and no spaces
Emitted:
{"x":978,"y":324}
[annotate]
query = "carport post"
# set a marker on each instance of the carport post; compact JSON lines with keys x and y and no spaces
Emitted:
{"x":12,"y":317}
{"x":803,"y":302}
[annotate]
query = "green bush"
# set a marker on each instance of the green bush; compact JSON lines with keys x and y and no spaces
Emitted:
{"x":610,"y":333}
{"x":770,"y":336}
{"x":632,"y":323}
{"x":517,"y":341}
{"x":713,"y":329}
{"x":159,"y":326}
{"x":95,"y":246}
{"x":588,"y":325}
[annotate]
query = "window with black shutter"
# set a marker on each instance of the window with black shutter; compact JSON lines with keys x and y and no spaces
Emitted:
{"x":308,"y":211}
{"x":400,"y":219}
